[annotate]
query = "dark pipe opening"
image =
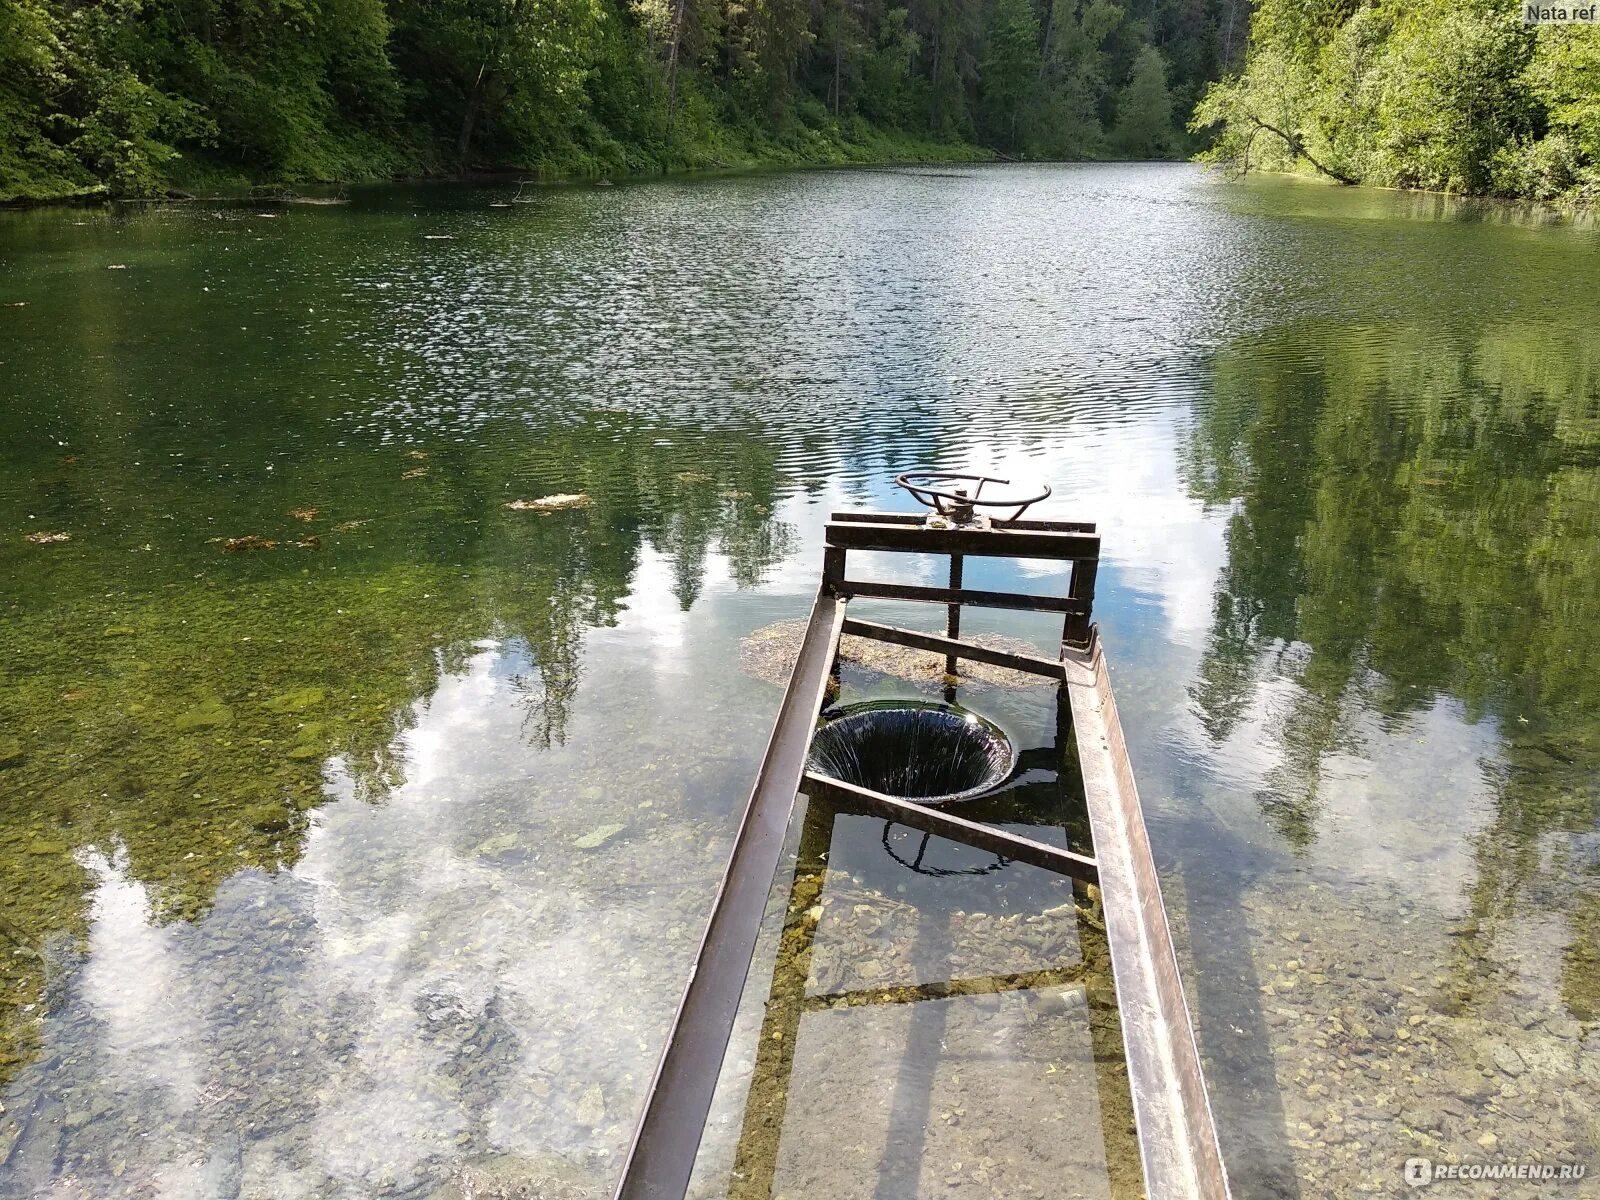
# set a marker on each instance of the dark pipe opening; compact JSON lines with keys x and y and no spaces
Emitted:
{"x":930,"y":753}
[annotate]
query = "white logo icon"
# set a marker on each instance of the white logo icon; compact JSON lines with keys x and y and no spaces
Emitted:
{"x":1419,"y":1172}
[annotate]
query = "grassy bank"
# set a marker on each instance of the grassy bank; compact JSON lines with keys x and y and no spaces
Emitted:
{"x":356,"y":159}
{"x":831,"y":146}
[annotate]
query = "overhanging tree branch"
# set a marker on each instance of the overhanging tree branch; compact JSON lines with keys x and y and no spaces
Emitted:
{"x":1297,"y":148}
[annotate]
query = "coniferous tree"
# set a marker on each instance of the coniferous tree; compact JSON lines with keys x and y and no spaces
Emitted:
{"x":1009,"y":72}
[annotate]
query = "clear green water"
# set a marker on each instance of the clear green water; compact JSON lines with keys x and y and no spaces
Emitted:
{"x":371,"y":865}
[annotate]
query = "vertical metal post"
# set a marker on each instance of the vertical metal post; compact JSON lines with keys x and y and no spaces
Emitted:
{"x":833,"y":566}
{"x":952,"y":620}
{"x":833,"y":569}
{"x":961,"y":514}
{"x":1076,"y":631}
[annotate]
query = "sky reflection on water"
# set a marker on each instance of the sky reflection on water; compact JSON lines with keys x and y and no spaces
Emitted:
{"x":291,"y":860}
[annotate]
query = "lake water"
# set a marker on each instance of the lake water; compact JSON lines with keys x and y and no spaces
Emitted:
{"x":367,"y":857}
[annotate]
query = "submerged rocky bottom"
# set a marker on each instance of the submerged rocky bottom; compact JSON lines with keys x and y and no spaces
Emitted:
{"x":1373,"y":1032}
{"x":455,"y":983}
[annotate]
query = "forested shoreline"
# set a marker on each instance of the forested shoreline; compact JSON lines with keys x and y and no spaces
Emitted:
{"x":1442,"y":95}
{"x":138,"y":97}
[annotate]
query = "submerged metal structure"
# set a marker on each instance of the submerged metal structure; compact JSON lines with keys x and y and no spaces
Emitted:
{"x":1177,"y":1139}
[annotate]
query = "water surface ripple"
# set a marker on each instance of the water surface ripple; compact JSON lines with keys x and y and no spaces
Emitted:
{"x":356,"y":830}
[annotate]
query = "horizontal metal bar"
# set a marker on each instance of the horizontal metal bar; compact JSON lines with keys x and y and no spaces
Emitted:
{"x":1033,"y":664}
{"x":667,"y":1137}
{"x":1177,"y":1137}
{"x":890,"y":518}
{"x":912,"y":993}
{"x":957,"y":829}
{"x":976,"y":598}
{"x":980,"y":543}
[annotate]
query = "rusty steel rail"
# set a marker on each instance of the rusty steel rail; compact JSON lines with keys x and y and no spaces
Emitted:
{"x":1177,"y":1136}
{"x":665,"y":1143}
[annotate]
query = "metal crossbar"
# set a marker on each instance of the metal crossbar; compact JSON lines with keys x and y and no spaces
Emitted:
{"x":957,"y":829}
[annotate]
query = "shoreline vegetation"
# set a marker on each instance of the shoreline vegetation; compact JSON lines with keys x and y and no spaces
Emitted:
{"x":150,"y":99}
{"x":1452,"y":96}
{"x":133,"y":99}
{"x":877,"y":152}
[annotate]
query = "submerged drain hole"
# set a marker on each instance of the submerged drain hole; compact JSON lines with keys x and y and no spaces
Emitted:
{"x":931,"y":753}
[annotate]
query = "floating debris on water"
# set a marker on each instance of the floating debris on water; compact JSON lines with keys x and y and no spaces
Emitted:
{"x":550,"y":503}
{"x":44,"y":538}
{"x":414,"y":473}
{"x":250,"y":541}
{"x":303,"y":514}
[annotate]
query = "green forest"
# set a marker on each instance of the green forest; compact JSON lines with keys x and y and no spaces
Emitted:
{"x":142,"y":97}
{"x":137,"y":97}
{"x":1443,"y":95}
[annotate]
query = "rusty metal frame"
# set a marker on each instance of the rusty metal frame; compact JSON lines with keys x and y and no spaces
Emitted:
{"x":1177,"y":1135}
{"x":788,"y":1002}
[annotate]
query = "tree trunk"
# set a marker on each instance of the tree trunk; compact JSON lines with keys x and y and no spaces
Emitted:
{"x":468,"y":120}
{"x":1297,"y":148}
{"x":1044,"y":48}
{"x":480,"y":85}
{"x":672,"y":65}
{"x":838,"y":37}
